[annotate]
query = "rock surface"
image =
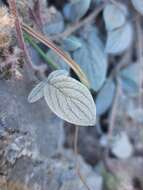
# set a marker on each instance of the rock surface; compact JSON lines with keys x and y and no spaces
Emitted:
{"x":31,"y":145}
{"x":57,"y":173}
{"x":44,"y":129}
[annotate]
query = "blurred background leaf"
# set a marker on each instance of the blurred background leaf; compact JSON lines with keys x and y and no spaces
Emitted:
{"x":71,"y":43}
{"x":57,"y":60}
{"x":120,"y":39}
{"x":114,"y":16}
{"x":105,"y":97}
{"x":92,"y":59}
{"x":130,"y":79}
{"x":75,"y":10}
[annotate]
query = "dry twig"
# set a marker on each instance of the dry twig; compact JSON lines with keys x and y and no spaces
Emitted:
{"x":19,"y":26}
{"x":58,"y":51}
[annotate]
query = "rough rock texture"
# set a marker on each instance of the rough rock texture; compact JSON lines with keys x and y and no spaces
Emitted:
{"x":56,"y":173}
{"x":44,"y":129}
{"x":31,"y":145}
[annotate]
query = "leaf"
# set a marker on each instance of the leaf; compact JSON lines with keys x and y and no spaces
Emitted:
{"x":92,"y":59}
{"x":58,"y":51}
{"x":71,"y":44}
{"x":57,"y":60}
{"x":37,"y":62}
{"x":38,"y":91}
{"x":76,"y":9}
{"x":130,"y":79}
{"x":53,"y":28}
{"x":138,"y":4}
{"x":58,"y":73}
{"x":120,"y":39}
{"x":70,"y":100}
{"x":55,"y":24}
{"x":105,"y":97}
{"x":121,"y":146}
{"x":114,"y":16}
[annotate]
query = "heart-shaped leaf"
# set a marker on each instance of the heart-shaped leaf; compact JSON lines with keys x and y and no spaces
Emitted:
{"x":70,"y":100}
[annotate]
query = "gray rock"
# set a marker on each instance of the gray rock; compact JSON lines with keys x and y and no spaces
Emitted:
{"x":30,"y":147}
{"x":45,"y":130}
{"x":57,"y":173}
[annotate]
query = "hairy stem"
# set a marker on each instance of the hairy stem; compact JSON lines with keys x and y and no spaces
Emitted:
{"x":19,"y":35}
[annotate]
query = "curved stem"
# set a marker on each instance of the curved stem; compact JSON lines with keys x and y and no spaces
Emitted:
{"x":76,"y":158}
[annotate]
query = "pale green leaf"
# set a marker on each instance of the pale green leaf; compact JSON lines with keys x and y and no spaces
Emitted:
{"x":70,"y":100}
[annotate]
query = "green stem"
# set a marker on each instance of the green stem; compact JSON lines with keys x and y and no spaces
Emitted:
{"x":40,"y":51}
